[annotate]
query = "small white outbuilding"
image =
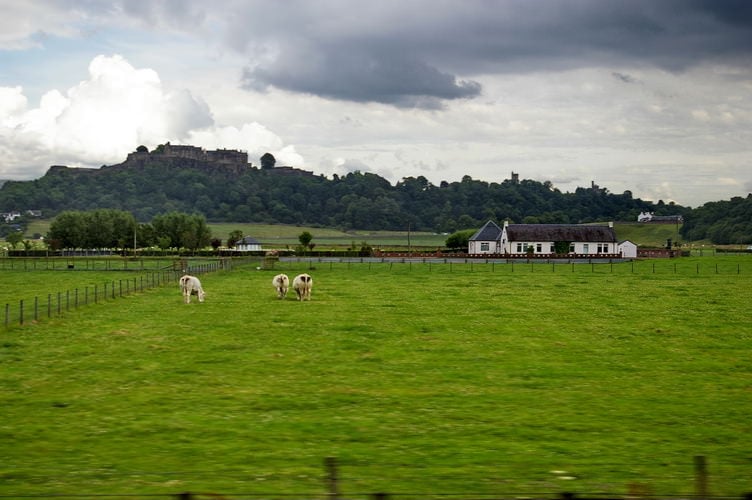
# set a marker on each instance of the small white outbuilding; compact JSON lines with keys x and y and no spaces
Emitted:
{"x":627,"y":249}
{"x":248,"y":244}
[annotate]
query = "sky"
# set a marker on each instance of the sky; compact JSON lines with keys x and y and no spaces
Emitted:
{"x":648,"y":96}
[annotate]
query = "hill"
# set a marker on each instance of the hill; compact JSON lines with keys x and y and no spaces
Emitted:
{"x":222,"y":186}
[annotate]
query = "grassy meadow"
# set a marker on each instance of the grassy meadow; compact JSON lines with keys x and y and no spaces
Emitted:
{"x":419,"y":378}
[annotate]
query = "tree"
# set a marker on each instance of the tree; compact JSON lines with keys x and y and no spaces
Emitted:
{"x":14,"y":238}
{"x":268,"y":161}
{"x":69,"y":229}
{"x":182,"y":230}
{"x":460,"y":239}
{"x":104,"y":228}
{"x":234,"y":237}
{"x":305,"y":238}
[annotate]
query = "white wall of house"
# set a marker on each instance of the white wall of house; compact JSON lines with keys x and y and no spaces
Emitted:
{"x":547,"y":247}
{"x":248,"y":248}
{"x":481,"y":247}
{"x":627,"y":249}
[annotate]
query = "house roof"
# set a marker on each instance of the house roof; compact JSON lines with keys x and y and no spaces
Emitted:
{"x":489,"y":232}
{"x":560,"y":232}
{"x":249,"y":240}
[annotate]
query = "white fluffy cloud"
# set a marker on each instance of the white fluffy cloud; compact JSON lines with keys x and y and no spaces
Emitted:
{"x":251,"y":137}
{"x":107,"y":115}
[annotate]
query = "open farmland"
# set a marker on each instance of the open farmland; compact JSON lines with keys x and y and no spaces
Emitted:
{"x":419,"y":378}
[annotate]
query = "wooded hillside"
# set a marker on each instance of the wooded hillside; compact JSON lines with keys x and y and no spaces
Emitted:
{"x":359,"y":200}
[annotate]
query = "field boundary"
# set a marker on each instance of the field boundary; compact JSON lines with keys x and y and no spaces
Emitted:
{"x":332,"y":486}
{"x":20,"y":312}
{"x":614,"y":266}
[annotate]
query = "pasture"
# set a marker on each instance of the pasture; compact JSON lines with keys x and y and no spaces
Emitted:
{"x":421,"y":379}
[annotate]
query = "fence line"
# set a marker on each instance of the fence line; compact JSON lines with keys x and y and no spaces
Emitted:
{"x":332,"y":490}
{"x":63,"y":301}
{"x":592,"y":266}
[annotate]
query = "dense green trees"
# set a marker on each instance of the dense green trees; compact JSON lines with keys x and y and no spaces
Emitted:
{"x":109,"y":228}
{"x":353,"y":201}
{"x":104,"y":228}
{"x":722,"y":222}
{"x":156,"y":187}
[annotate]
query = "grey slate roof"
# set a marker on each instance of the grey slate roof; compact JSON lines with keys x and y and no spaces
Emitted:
{"x":489,"y":232}
{"x":249,"y":240}
{"x":561,"y":232}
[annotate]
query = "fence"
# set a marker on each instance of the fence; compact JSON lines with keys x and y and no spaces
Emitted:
{"x":332,"y":490}
{"x":93,"y":263}
{"x":55,"y":304}
{"x":592,"y":266}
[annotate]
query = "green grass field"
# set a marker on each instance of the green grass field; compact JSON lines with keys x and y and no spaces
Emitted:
{"x":420,"y":379}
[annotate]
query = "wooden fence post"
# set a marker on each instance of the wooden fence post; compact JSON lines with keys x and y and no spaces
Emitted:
{"x":701,"y":478}
{"x":331,"y":477}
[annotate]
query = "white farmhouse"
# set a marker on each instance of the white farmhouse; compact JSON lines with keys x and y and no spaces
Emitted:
{"x":248,"y":244}
{"x":544,"y":239}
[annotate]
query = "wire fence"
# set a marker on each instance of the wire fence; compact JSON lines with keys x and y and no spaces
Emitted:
{"x":332,"y":486}
{"x":39,"y":307}
{"x":685,"y":267}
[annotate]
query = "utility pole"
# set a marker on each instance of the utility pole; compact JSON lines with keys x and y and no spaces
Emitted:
{"x":409,"y":248}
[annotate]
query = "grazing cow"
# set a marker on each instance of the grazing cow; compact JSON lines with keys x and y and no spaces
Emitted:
{"x":281,"y":283}
{"x":190,"y":285}
{"x":302,"y":285}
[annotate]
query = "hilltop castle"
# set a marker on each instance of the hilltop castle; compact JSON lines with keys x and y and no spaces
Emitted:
{"x":228,"y":156}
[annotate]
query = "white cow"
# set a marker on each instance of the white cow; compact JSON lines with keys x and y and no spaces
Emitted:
{"x":281,"y":283}
{"x":190,"y":285}
{"x":302,"y":285}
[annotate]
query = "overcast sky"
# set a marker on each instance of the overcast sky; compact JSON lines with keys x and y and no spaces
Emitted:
{"x":654,"y":96}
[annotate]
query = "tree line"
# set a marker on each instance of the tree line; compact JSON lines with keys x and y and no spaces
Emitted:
{"x":354,"y":201}
{"x":358,"y":200}
{"x":110,"y":228}
{"x":722,"y":222}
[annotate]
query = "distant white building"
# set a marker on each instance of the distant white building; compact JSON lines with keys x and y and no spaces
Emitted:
{"x":663,"y":219}
{"x":248,"y":244}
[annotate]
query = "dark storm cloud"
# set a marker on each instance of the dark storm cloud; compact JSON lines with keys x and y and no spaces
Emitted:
{"x":363,"y":76}
{"x":425,"y":52}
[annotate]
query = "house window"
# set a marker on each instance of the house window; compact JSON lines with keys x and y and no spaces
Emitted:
{"x":552,"y":248}
{"x":519,"y":248}
{"x":484,"y":246}
{"x":602,"y":247}
{"x":571,"y":248}
{"x":585,"y":248}
{"x":539,"y":247}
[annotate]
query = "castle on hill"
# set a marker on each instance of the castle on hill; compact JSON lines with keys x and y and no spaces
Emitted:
{"x":227,"y":156}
